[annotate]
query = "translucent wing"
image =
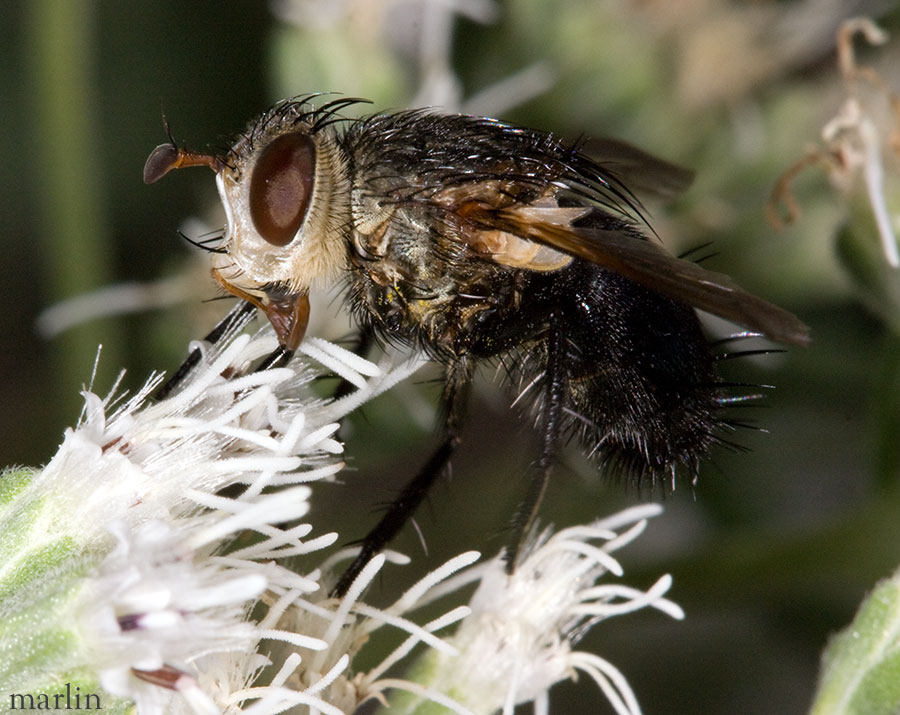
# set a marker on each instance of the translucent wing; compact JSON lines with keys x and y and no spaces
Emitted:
{"x":644,"y":262}
{"x":644,"y":174}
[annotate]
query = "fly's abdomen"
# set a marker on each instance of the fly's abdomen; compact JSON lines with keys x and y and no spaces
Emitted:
{"x":644,"y":395}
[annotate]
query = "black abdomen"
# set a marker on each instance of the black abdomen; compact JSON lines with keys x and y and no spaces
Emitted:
{"x":642,"y":378}
{"x":642,"y":392}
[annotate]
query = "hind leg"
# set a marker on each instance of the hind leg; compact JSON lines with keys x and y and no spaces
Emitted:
{"x":554,"y":385}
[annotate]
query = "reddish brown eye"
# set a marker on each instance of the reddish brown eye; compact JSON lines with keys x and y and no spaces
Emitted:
{"x":282,"y":186}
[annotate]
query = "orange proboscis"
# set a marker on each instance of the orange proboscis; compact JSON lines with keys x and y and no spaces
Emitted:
{"x":289,"y":317}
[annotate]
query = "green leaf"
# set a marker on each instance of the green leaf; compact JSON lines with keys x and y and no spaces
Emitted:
{"x":861,"y":666}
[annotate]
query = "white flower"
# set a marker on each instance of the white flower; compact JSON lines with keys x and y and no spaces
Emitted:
{"x":347,"y":625}
{"x":519,"y":639}
{"x":126,"y":569}
{"x":117,"y":558}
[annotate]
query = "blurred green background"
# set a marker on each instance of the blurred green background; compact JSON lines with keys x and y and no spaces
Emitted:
{"x":773,"y":549}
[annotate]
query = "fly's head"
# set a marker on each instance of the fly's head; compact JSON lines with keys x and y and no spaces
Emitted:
{"x":286,"y":195}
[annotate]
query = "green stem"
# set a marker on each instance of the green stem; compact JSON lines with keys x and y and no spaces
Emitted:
{"x":75,"y":247}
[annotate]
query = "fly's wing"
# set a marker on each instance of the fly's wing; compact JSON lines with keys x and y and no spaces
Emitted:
{"x":644,"y":174}
{"x":646,"y":263}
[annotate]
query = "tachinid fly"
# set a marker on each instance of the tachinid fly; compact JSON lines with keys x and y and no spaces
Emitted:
{"x":478,"y":241}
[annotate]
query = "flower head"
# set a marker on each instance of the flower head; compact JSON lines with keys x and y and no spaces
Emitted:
{"x":149,"y":559}
{"x":127,"y":563}
{"x":521,"y":635}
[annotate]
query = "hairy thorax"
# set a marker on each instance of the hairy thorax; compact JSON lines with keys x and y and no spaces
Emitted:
{"x":415,"y":278}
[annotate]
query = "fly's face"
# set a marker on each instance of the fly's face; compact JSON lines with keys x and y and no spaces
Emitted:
{"x":286,"y":195}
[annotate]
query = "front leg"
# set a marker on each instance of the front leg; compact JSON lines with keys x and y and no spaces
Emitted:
{"x":236,"y":319}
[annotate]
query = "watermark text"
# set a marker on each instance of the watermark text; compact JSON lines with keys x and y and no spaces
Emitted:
{"x":71,"y":699}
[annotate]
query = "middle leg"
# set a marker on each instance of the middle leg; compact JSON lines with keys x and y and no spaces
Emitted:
{"x":453,"y":402}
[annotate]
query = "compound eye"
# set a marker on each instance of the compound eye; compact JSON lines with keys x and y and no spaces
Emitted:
{"x":281,"y":187}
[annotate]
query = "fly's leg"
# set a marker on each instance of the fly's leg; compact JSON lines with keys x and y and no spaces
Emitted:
{"x":279,"y":357}
{"x":453,"y":401}
{"x":236,"y":318}
{"x":552,"y":404}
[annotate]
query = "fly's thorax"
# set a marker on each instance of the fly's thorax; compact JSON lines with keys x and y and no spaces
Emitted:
{"x":311,"y":250}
